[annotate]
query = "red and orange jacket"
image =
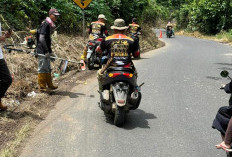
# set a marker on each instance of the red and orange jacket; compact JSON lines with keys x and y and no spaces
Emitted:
{"x":134,"y":28}
{"x":121,"y":46}
{"x":98,"y":28}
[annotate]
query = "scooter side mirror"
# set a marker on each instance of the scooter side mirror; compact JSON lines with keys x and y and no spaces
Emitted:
{"x":224,"y":73}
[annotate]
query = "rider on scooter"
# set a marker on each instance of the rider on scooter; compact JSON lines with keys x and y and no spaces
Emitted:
{"x":120,"y":45}
{"x":134,"y":29}
{"x":223,"y":122}
{"x":98,"y":28}
{"x":170,"y":26}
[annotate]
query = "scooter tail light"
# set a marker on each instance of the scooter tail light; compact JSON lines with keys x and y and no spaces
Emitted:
{"x":128,"y":75}
{"x":137,"y":53}
{"x":99,"y":39}
{"x":114,"y":74}
{"x":91,"y":44}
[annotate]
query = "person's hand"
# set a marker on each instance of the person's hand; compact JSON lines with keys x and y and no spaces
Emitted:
{"x":47,"y":55}
{"x":223,"y":146}
{"x":99,"y":72}
{"x":35,"y":54}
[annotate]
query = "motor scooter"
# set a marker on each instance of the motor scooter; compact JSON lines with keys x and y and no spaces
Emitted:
{"x":169,"y":32}
{"x":225,"y":74}
{"x":120,"y":91}
{"x":135,"y":37}
{"x":92,"y":56}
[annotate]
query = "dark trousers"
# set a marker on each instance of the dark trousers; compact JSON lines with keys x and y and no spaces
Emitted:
{"x":136,"y":42}
{"x":222,"y":119}
{"x":5,"y":78}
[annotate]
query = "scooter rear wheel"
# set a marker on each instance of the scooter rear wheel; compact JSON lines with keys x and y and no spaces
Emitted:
{"x":90,"y":63}
{"x":119,"y":118}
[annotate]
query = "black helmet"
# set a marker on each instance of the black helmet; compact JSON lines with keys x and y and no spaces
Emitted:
{"x":134,"y":20}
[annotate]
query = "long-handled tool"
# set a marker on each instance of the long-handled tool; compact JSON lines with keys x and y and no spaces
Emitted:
{"x":107,"y":64}
{"x":11,"y":48}
{"x":9,"y":28}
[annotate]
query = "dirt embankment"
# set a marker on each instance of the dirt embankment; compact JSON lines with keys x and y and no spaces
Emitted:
{"x":27,"y":106}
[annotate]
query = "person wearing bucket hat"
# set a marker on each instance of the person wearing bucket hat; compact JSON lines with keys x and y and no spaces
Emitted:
{"x":44,"y":47}
{"x":101,"y":16}
{"x":96,"y":28}
{"x":120,"y":46}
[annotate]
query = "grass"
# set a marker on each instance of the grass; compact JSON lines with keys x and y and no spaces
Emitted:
{"x":224,"y":37}
{"x":11,"y":149}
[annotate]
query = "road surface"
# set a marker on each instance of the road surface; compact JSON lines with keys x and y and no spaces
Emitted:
{"x":180,"y":100}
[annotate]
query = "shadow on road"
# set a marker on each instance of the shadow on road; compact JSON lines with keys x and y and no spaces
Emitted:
{"x":135,"y":119}
{"x":226,"y":66}
{"x":71,"y":94}
{"x":213,"y":78}
{"x":229,"y":64}
{"x":141,"y":58}
{"x":138,"y":118}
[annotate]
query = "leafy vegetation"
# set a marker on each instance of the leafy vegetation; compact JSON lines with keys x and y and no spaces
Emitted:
{"x":206,"y":16}
{"x":23,"y":14}
{"x":209,"y":16}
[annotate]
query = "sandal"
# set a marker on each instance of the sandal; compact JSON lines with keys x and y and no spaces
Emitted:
{"x":220,"y":146}
{"x":228,"y":150}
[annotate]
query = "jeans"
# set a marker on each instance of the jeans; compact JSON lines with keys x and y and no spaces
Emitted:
{"x":5,"y":78}
{"x":44,"y":65}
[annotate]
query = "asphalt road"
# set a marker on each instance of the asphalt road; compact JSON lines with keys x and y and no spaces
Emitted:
{"x":180,"y":100}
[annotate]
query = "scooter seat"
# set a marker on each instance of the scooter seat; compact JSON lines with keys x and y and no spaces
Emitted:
{"x":121,"y":69}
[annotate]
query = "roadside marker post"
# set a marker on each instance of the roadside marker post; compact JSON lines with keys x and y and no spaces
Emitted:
{"x":83,"y":4}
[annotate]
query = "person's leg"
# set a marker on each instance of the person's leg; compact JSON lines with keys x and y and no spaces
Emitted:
{"x":42,"y":73}
{"x":230,"y":100}
{"x":5,"y":81}
{"x":223,"y":137}
{"x":83,"y":57}
{"x":136,"y":43}
{"x":220,"y":123}
{"x":49,"y":81}
{"x":42,"y":81}
{"x":48,"y":76}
